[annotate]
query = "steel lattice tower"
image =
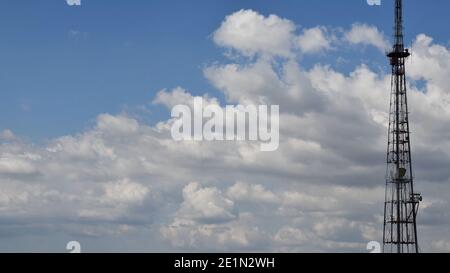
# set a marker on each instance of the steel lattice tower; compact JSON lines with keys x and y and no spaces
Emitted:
{"x":401,"y":202}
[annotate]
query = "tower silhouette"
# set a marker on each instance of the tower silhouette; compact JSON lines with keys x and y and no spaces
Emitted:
{"x":401,"y":202}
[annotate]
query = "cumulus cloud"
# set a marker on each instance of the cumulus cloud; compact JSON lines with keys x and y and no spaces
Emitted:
{"x":241,"y":234}
{"x":180,"y":96}
{"x":253,"y":193}
{"x":205,"y":204}
{"x":430,"y":62}
{"x":322,"y":190}
{"x":125,"y":191}
{"x":314,"y":40}
{"x":252,"y":33}
{"x":116,"y":125}
{"x":13,"y":165}
{"x":7,"y":135}
{"x":363,"y":34}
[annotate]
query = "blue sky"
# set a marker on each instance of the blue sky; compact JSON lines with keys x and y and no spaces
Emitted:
{"x":61,"y":66}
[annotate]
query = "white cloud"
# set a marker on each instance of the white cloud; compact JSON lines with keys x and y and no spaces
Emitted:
{"x":175,"y":97}
{"x":240,"y":234}
{"x":13,"y":165}
{"x":252,"y":33}
{"x":205,"y":204}
{"x":363,"y":34}
{"x":179,"y":95}
{"x":321,"y":191}
{"x":331,"y":168}
{"x":116,"y":125}
{"x":291,"y":236}
{"x":125,"y":191}
{"x":314,"y":40}
{"x":7,"y":135}
{"x":247,"y":83}
{"x":253,"y":193}
{"x":431,"y":62}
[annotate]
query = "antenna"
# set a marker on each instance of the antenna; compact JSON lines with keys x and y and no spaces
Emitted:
{"x":401,"y":202}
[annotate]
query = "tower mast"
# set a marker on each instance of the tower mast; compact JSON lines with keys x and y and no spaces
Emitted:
{"x":401,"y":202}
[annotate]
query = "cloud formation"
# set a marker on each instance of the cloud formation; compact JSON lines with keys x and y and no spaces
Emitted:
{"x":314,"y":40}
{"x":322,"y":190}
{"x":363,"y":34}
{"x":250,"y":33}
